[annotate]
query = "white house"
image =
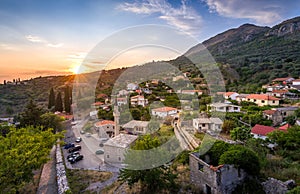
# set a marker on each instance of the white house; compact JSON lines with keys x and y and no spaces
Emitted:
{"x":296,"y":82}
{"x":263,"y":99}
{"x":190,"y":92}
{"x":224,"y":107}
{"x":132,"y":87}
{"x":230,"y":95}
{"x":123,"y":93}
{"x":121,"y":101}
{"x":138,"y":100}
{"x":207,"y":124}
{"x":261,"y":131}
{"x":136,"y":127}
{"x":105,"y":128}
{"x":164,"y":111}
{"x":115,"y":148}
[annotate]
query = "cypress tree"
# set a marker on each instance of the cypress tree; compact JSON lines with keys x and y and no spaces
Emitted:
{"x":58,"y":103}
{"x":51,"y":101}
{"x":67,"y":100}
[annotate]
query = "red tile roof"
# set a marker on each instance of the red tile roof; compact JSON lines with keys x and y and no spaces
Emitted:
{"x":104,"y":122}
{"x":261,"y":97}
{"x":280,"y":91}
{"x":281,"y":79}
{"x":229,"y":93}
{"x":97,"y":103}
{"x":101,"y":96}
{"x":164,"y":109}
{"x":262,"y":130}
{"x":269,"y":112}
{"x":284,"y":127}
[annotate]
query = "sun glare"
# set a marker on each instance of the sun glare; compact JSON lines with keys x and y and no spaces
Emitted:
{"x":75,"y":69}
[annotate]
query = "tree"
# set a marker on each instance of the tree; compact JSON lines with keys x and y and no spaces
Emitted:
{"x":53,"y":121}
{"x":58,"y":103}
{"x":227,"y":126}
{"x":240,"y":133}
{"x":22,"y":151}
{"x":243,"y":158}
{"x":51,"y":100}
{"x":152,"y":179}
{"x":9,"y":110}
{"x":67,"y":99}
{"x":31,"y":115}
{"x":215,"y":152}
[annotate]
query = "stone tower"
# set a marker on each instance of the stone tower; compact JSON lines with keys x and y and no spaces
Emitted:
{"x":116,"y":114}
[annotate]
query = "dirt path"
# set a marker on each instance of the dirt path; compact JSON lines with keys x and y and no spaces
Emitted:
{"x":98,"y":186}
{"x":48,"y":184}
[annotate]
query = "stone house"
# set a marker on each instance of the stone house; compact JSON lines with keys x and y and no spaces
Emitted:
{"x":138,"y":100}
{"x":105,"y":128}
{"x":136,"y":127}
{"x":115,"y":148}
{"x":273,"y":115}
{"x":214,"y":180}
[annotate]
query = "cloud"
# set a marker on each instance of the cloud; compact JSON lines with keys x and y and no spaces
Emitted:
{"x":55,"y":45}
{"x":184,"y":18}
{"x":37,"y":39}
{"x":262,"y":12}
{"x":32,"y":38}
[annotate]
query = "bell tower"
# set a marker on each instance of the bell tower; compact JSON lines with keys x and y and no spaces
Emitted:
{"x":116,"y":114}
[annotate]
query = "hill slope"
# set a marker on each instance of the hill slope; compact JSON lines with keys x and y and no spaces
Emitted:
{"x":257,"y":54}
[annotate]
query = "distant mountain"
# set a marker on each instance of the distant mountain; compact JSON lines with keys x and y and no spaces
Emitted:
{"x":252,"y":55}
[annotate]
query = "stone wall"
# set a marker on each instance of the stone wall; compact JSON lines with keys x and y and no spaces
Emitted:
{"x":61,"y":177}
{"x":215,"y":180}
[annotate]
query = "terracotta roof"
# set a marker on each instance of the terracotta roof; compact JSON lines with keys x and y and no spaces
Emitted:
{"x":281,"y":79}
{"x":229,"y":93}
{"x":269,"y":112}
{"x":261,"y":97}
{"x":104,"y":122}
{"x":280,"y":91}
{"x":97,"y":103}
{"x":262,"y":130}
{"x":284,"y":127}
{"x":164,"y":109}
{"x":101,"y":96}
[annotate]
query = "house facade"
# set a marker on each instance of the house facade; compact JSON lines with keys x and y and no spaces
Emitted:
{"x":263,"y":99}
{"x":214,"y":180}
{"x":105,"y":128}
{"x":115,"y":148}
{"x":273,"y":115}
{"x":164,"y":111}
{"x":224,"y":107}
{"x":121,"y":101}
{"x":138,"y":100}
{"x":211,"y":125}
{"x":261,"y":131}
{"x":230,"y":95}
{"x":136,"y":127}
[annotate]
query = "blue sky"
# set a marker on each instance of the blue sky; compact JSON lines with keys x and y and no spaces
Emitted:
{"x":52,"y":37}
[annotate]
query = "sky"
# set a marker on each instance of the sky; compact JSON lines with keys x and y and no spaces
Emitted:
{"x":40,"y":38}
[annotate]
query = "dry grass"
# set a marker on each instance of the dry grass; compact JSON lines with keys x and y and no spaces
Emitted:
{"x":32,"y":187}
{"x":79,"y":180}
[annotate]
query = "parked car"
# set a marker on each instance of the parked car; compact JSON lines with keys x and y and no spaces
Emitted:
{"x":72,"y":155}
{"x":100,"y":151}
{"x":82,"y":132}
{"x":69,"y":145}
{"x":74,"y":149}
{"x":76,"y":159}
{"x":78,"y":139}
{"x":88,"y":134}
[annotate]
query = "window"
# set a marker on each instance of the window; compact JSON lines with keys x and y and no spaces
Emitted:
{"x":119,"y":158}
{"x":203,"y":125}
{"x":208,"y":189}
{"x":107,"y":156}
{"x":273,"y":101}
{"x":254,"y":100}
{"x":262,"y":101}
{"x":200,"y":167}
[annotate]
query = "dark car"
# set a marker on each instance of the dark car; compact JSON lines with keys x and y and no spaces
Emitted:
{"x":72,"y":155}
{"x":78,"y":139}
{"x":76,"y":159}
{"x":74,"y":149}
{"x":69,"y":145}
